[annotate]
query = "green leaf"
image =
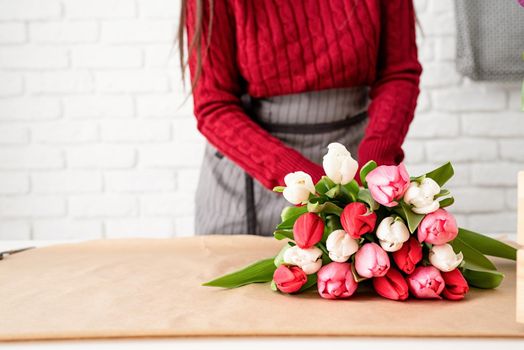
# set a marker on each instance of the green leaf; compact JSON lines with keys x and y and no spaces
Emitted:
{"x":292,"y":211}
{"x":279,"y":189}
{"x":365,"y":170}
{"x":412,"y":218}
{"x":365,"y":196}
{"x":333,"y":192}
{"x":471,"y":255}
{"x":311,"y":281}
{"x":442,"y":174}
{"x":315,"y":206}
{"x":283,"y":234}
{"x":332,"y":208}
{"x":279,"y":259}
{"x":273,"y":286}
{"x":481,"y":278}
{"x":487,"y":245}
{"x":446,"y":202}
{"x":324,"y":185}
{"x":443,"y":193}
{"x":259,"y":272}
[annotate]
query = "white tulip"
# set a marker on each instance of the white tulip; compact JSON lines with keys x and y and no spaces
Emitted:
{"x":341,"y":246}
{"x":338,"y":164}
{"x":422,"y":196}
{"x":444,"y":258}
{"x":392,"y":233}
{"x":309,"y":260}
{"x":298,"y":187}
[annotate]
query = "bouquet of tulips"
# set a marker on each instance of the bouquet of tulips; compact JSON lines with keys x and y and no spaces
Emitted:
{"x":391,"y":231}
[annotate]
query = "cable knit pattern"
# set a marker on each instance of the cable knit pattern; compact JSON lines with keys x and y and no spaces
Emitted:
{"x":277,"y":47}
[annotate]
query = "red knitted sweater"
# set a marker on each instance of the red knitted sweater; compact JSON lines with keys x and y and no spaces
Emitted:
{"x":277,"y":47}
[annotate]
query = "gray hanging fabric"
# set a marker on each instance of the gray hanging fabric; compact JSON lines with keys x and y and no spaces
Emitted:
{"x":490,"y":39}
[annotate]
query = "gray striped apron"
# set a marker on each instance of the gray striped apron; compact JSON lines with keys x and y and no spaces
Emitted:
{"x":228,"y":201}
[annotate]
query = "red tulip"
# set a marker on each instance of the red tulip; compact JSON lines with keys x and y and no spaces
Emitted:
{"x":289,"y":279}
{"x":357,"y":219}
{"x":456,"y":285}
{"x":308,"y":230}
{"x":392,"y":285}
{"x":408,"y":256}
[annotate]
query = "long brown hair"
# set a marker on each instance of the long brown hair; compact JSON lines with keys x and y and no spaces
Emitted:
{"x":195,"y":46}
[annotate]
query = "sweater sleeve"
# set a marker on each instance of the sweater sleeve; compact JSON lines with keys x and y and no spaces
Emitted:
{"x":395,"y":91}
{"x":218,"y":108}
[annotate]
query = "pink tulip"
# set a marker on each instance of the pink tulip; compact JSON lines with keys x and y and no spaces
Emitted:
{"x":438,"y":227}
{"x":308,"y":230}
{"x":371,"y":261}
{"x":289,"y":279}
{"x":335,"y":281}
{"x":388,"y":183}
{"x":408,"y":256}
{"x":426,"y":282}
{"x":456,"y":285}
{"x":357,"y":219}
{"x":392,"y":285}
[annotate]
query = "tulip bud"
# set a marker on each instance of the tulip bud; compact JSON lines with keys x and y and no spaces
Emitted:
{"x":299,"y":186}
{"x":444,"y":258}
{"x":289,"y":279}
{"x":392,"y":285}
{"x":357,"y":219}
{"x":408,"y":256}
{"x":371,"y":261}
{"x":456,"y":285}
{"x":388,"y":183}
{"x":335,"y":281}
{"x":422,"y":196}
{"x":308,"y":230}
{"x":340,"y":246}
{"x":338,"y":164}
{"x":426,"y":282}
{"x":438,"y":227}
{"x":309,"y":260}
{"x":392,"y":233}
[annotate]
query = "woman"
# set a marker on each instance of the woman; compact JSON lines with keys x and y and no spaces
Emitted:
{"x":276,"y":81}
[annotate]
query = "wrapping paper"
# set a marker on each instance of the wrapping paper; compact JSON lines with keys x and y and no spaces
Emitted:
{"x":151,"y":288}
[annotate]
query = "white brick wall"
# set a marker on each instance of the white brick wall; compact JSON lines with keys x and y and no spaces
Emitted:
{"x":94,"y":141}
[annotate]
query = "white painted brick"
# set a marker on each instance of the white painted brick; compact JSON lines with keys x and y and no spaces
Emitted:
{"x":437,"y":24}
{"x":495,"y":173}
{"x":185,"y":129}
{"x":490,"y":223}
{"x":426,"y":49}
{"x":12,"y":33}
{"x":138,"y":31}
{"x":188,"y":180}
{"x":69,"y":181}
{"x":33,"y":57}
{"x":159,"y":8}
{"x":185,"y":226}
{"x":435,"y":124}
{"x":439,"y":75}
{"x":162,"y":56}
{"x":11,"y":84}
{"x":147,"y":228}
{"x":65,"y":82}
{"x":90,"y":206}
{"x":461,"y":150}
{"x":16,"y":135}
{"x":441,"y":6}
{"x":29,"y":9}
{"x":445,"y":48}
{"x":136,"y":131}
{"x":14,"y":183}
{"x":481,"y":200}
{"x":32,"y":207}
{"x":500,"y":124}
{"x":101,"y":156}
{"x":132,"y":81}
{"x":512,"y":149}
{"x":469,"y":98}
{"x":163,"y":106}
{"x":515,"y":101}
{"x":511,"y":198}
{"x":63,"y":229}
{"x":106,"y":9}
{"x":63,"y":32}
{"x":15,"y":230}
{"x":29,"y":108}
{"x":64,"y":132}
{"x":413,"y":151}
{"x":178,"y":204}
{"x":98,"y":106}
{"x":140,"y":181}
{"x":171,"y":155}
{"x":32,"y":157}
{"x":100,"y":56}
{"x":423,"y":102}
{"x":420,"y":6}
